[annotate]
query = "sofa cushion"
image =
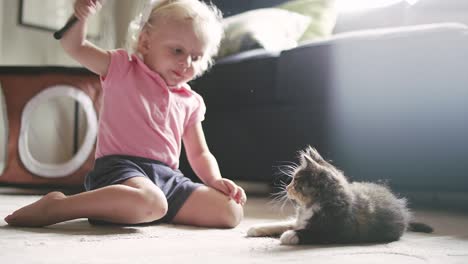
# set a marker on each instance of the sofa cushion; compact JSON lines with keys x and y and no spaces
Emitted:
{"x":322,"y":14}
{"x":270,"y":28}
{"x":243,"y":79}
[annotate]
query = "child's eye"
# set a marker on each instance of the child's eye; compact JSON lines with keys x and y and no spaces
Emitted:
{"x":178,"y":51}
{"x":196,"y":58}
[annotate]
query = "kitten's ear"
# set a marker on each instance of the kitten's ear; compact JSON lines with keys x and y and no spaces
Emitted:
{"x":313,"y":153}
{"x":308,"y":161}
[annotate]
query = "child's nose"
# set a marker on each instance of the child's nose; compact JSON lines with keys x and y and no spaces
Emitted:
{"x":187,"y":62}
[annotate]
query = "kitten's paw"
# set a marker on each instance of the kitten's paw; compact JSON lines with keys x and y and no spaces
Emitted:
{"x":255,"y":231}
{"x":289,"y":238}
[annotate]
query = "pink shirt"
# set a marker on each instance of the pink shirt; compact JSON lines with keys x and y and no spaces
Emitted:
{"x":140,"y":116}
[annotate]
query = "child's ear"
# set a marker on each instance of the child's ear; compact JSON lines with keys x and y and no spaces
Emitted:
{"x":143,"y":42}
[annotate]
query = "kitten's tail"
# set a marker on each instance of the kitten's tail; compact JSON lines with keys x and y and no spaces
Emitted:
{"x":420,"y":227}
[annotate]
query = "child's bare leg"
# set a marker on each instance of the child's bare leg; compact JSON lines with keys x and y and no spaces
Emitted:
{"x":209,"y":208}
{"x":137,"y":200}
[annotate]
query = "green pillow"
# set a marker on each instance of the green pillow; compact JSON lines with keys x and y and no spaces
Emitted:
{"x":273,"y":29}
{"x":323,"y":15}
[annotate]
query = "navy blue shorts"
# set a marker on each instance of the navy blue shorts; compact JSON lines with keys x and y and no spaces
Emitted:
{"x":115,"y":169}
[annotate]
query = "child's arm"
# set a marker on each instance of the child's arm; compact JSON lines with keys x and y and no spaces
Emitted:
{"x":75,"y":44}
{"x":205,"y":165}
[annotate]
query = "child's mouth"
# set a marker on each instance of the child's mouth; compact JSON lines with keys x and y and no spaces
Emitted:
{"x":177,"y":74}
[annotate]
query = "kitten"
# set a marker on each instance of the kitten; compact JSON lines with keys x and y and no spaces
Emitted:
{"x":332,"y":210}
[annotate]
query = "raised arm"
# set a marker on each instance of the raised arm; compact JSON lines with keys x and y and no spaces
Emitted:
{"x":75,"y":44}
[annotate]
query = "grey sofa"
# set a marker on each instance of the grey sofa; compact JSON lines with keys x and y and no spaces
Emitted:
{"x":387,"y":104}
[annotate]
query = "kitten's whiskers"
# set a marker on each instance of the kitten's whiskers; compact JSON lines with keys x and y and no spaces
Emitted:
{"x":281,"y":197}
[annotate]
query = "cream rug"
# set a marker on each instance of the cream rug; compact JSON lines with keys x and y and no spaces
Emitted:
{"x":78,"y":242}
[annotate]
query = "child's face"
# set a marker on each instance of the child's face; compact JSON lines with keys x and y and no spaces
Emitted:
{"x":173,"y":50}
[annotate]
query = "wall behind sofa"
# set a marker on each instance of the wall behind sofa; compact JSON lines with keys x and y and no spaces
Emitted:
{"x":15,"y":40}
{"x":402,"y":14}
{"x":1,"y":28}
{"x":21,"y":45}
{"x":26,"y":46}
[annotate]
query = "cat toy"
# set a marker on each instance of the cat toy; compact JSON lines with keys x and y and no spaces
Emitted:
{"x":73,"y":19}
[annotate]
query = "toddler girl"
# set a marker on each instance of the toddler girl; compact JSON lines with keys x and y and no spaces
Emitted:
{"x":148,"y":110}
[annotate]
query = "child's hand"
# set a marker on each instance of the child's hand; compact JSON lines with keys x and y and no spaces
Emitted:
{"x":230,"y":189}
{"x":85,"y":8}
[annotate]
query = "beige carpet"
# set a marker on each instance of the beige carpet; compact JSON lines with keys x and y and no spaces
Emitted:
{"x":78,"y":242}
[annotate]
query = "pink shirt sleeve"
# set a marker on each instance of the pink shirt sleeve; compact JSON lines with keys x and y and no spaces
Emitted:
{"x":198,"y":113}
{"x":118,"y":67}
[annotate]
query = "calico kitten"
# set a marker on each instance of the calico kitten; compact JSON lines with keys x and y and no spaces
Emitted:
{"x":332,"y":210}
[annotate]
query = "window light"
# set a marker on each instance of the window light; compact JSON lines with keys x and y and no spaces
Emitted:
{"x":357,"y":5}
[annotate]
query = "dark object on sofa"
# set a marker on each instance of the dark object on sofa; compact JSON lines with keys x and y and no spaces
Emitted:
{"x":229,"y":7}
{"x":250,"y":125}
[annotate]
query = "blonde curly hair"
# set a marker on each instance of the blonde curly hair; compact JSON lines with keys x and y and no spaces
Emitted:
{"x":205,"y":17}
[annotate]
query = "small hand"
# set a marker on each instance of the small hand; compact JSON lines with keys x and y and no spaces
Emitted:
{"x":85,"y":8}
{"x":230,"y":189}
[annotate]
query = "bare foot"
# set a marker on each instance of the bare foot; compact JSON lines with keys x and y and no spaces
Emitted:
{"x":38,"y":213}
